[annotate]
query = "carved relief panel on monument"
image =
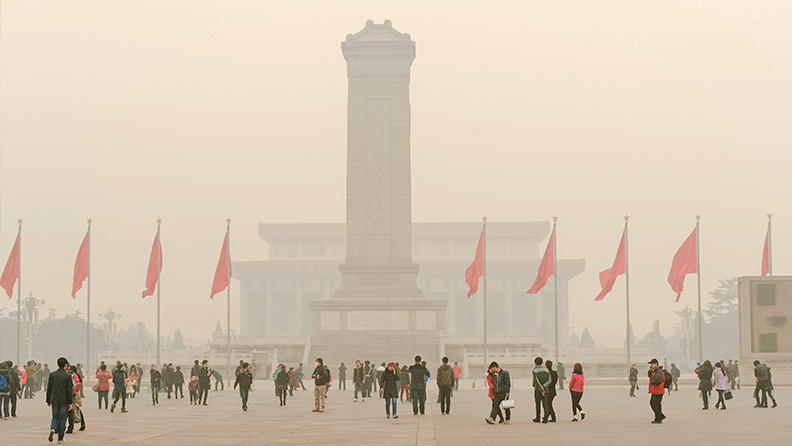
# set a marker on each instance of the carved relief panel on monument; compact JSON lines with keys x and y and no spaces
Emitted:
{"x":378,"y":167}
{"x":378,"y":320}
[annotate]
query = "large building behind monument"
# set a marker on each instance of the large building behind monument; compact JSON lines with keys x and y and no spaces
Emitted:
{"x":380,"y":286}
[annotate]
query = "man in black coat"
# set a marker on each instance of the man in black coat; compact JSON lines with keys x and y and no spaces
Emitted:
{"x":633,"y":378}
{"x":204,"y":384}
{"x":119,"y":388}
{"x":501,"y":386}
{"x":244,"y":379}
{"x":59,"y":397}
{"x":321,"y":377}
{"x":418,"y":385}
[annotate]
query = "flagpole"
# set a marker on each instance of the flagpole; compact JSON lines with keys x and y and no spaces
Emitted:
{"x":484,"y":295}
{"x":769,"y":244}
{"x":88,"y":289}
{"x":159,"y":286}
{"x":19,"y":292}
{"x":627,"y":280}
{"x":228,"y":288}
{"x":698,"y":275}
{"x":555,"y":283}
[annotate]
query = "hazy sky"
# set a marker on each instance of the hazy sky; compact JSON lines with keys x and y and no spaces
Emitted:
{"x":195,"y":111}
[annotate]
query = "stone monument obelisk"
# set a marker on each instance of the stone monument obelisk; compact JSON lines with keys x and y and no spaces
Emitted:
{"x":379,"y":309}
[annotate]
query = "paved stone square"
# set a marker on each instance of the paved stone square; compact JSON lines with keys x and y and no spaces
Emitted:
{"x":612,"y":418}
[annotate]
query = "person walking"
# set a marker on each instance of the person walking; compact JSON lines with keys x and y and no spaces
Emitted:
{"x":75,"y":415}
{"x":390,"y":389}
{"x":770,"y":387}
{"x":380,"y":371}
{"x":721,"y":384}
{"x":418,"y":375}
{"x":762,"y":374}
{"x":14,"y":386}
{"x":119,"y":389}
{"x":321,"y":377}
{"x":561,"y":375}
{"x":576,"y":384}
{"x":342,"y":376}
{"x":292,"y":381}
{"x":541,"y":381}
{"x":167,"y":379}
{"x":705,"y":382}
{"x":445,"y":385}
{"x":243,"y":379}
{"x":204,"y":383}
{"x":490,"y":374}
{"x":300,"y":375}
{"x":178,"y":383}
{"x":457,"y":375}
{"x":501,"y":386}
{"x":675,"y":374}
{"x":404,"y":383}
{"x":657,"y":381}
{"x":372,"y":380}
{"x":103,"y":378}
{"x":134,"y":376}
{"x":551,"y":390}
{"x":5,"y":391}
{"x":275,"y":378}
{"x":60,"y":398}
{"x":736,"y":374}
{"x":633,"y":378}
{"x":282,"y":384}
{"x":156,"y":381}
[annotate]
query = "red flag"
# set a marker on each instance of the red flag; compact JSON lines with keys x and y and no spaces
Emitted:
{"x":608,"y":277}
{"x":476,"y":269}
{"x":766,"y":255}
{"x":684,"y":263}
{"x":545,"y":268}
{"x":224,"y":264}
{"x":151,"y":275}
{"x":80,"y":267}
{"x":11,"y":270}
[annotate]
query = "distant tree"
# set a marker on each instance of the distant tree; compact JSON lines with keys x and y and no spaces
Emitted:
{"x":178,"y":341}
{"x":721,"y":321}
{"x":586,"y":341}
{"x":52,"y":313}
{"x":724,"y":300}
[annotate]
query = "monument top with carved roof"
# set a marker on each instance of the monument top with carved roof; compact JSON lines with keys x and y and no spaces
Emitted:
{"x":378,"y":33}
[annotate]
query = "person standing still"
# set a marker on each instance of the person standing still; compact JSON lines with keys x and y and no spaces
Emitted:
{"x":445,"y":384}
{"x":282,"y":384}
{"x":300,"y":376}
{"x":675,"y":373}
{"x":551,"y":390}
{"x":541,"y":380}
{"x":359,"y":381}
{"x":156,"y":381}
{"x":418,"y":375}
{"x":562,"y":376}
{"x":59,"y":398}
{"x":390,"y":389}
{"x":501,"y":386}
{"x":244,"y":379}
{"x":657,"y":390}
{"x":342,"y":376}
{"x":5,"y":391}
{"x":103,"y":377}
{"x":633,"y":379}
{"x":178,"y":383}
{"x":404,"y":383}
{"x":204,"y":382}
{"x":457,"y":375}
{"x":320,"y":377}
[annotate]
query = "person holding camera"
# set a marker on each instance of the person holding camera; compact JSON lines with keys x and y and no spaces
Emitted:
{"x":321,"y":377}
{"x":390,"y":388}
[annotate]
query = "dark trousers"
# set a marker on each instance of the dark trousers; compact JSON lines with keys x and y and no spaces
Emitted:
{"x":445,"y":399}
{"x":103,"y":396}
{"x":120,"y":394}
{"x":58,"y":423}
{"x":203,"y":392}
{"x":342,"y":383}
{"x":550,"y":410}
{"x":721,"y":399}
{"x":632,"y":387}
{"x":676,"y":385}
{"x":576,"y":396}
{"x":705,"y":398}
{"x":219,"y":382}
{"x":541,"y":402}
{"x":418,"y":399}
{"x":456,"y":383}
{"x":28,"y":390}
{"x":178,"y":390}
{"x":72,"y":414}
{"x":244,"y":393}
{"x":13,"y":402}
{"x":656,"y":402}
{"x":359,"y":388}
{"x":282,"y":395}
{"x":761,"y":386}
{"x":496,"y":410}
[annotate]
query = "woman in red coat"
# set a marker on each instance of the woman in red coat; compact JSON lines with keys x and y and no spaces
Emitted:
{"x":103,"y":377}
{"x":576,"y":390}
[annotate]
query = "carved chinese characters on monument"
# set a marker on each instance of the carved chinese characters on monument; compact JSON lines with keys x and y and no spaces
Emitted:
{"x":378,"y":167}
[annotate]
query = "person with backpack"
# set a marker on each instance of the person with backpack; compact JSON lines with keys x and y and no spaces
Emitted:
{"x":658,"y":381}
{"x":320,"y":375}
{"x":5,"y":391}
{"x":705,"y":382}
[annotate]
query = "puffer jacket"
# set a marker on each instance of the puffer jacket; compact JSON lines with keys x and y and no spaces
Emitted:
{"x":445,"y":376}
{"x":389,"y":382}
{"x":705,"y":378}
{"x":721,"y":381}
{"x":501,"y":382}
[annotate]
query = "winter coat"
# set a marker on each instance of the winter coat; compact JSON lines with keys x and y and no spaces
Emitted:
{"x":244,"y":379}
{"x":417,"y":373}
{"x":193,"y":385}
{"x":501,"y":382}
{"x":457,"y":372}
{"x":445,"y":376}
{"x":657,"y":381}
{"x":489,"y":386}
{"x":705,"y":378}
{"x":769,"y":384}
{"x":59,"y":388}
{"x":178,"y":378}
{"x":282,"y":381}
{"x":551,"y":391}
{"x":342,"y":372}
{"x":203,"y":376}
{"x":577,"y":382}
{"x":104,"y":377}
{"x":119,"y":376}
{"x":156,"y":377}
{"x":7,"y":378}
{"x":320,"y":376}
{"x":541,"y":378}
{"x":761,"y":372}
{"x":721,"y":381}
{"x":633,"y":375}
{"x":404,"y":377}
{"x":358,"y":375}
{"x":389,"y":382}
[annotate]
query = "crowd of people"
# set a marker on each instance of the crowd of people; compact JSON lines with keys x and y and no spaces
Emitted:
{"x":391,"y":382}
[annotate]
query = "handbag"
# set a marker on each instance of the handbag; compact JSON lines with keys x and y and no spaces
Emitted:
{"x":728,"y":395}
{"x":95,"y":387}
{"x":507,"y":404}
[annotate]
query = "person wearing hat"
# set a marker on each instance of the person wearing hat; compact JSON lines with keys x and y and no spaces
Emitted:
{"x":657,"y":390}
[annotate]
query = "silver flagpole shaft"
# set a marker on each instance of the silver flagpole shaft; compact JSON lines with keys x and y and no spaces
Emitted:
{"x":19,"y":294}
{"x":769,"y":244}
{"x":555,"y":283}
{"x":484,"y":295}
{"x":228,"y":289}
{"x":159,"y":286}
{"x":88,"y":289}
{"x":627,"y":280}
{"x":698,"y":275}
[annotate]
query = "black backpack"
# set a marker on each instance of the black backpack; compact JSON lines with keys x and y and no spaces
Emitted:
{"x":668,"y":379}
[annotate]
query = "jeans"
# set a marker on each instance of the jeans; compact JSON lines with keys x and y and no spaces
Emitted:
{"x":418,"y":398}
{"x":576,"y":396}
{"x":155,"y":393}
{"x":4,"y":400}
{"x":541,"y":403}
{"x":244,"y":393}
{"x":388,"y":402}
{"x":359,"y":388}
{"x":120,"y":394}
{"x":656,"y":402}
{"x":496,"y":410}
{"x":59,"y":413}
{"x":342,"y":383}
{"x":445,"y":399}
{"x":103,"y":396}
